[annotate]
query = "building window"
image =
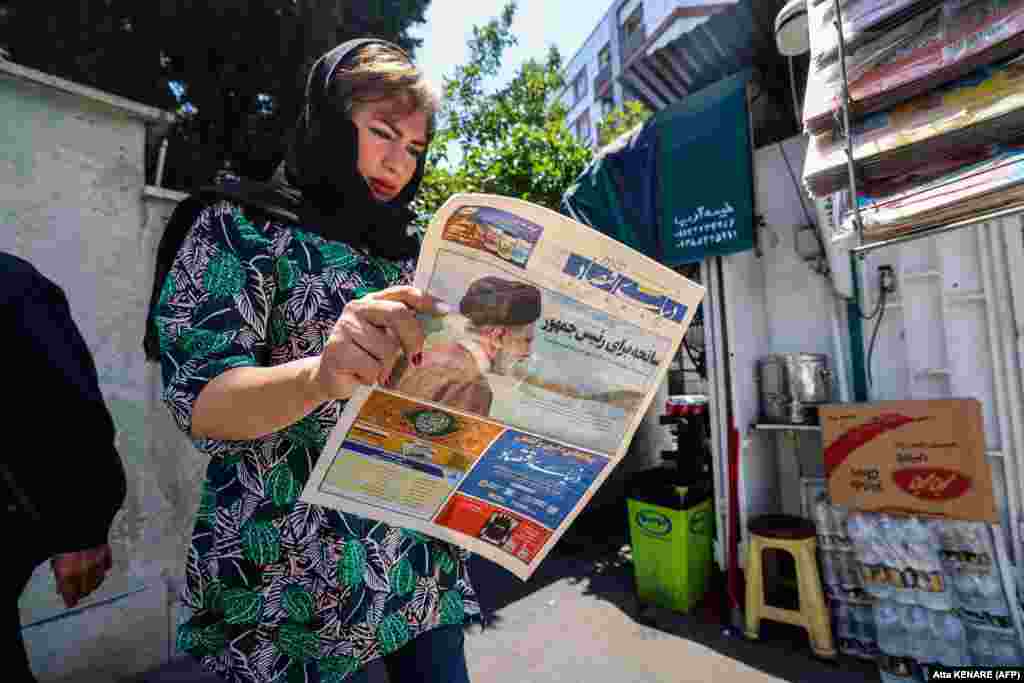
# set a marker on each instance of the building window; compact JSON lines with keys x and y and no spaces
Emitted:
{"x":604,"y":58}
{"x":582,"y":128}
{"x":607,"y":105}
{"x":629,"y":94}
{"x":631,"y":32}
{"x":579,"y":85}
{"x":633,"y":24}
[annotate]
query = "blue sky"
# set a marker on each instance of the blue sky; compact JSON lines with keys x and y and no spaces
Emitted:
{"x":538,"y":24}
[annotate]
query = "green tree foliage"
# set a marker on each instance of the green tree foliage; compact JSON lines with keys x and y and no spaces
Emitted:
{"x":513,"y":141}
{"x":620,"y":121}
{"x":234,"y":69}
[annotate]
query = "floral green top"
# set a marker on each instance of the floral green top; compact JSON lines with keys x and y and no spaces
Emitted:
{"x":278,"y":589}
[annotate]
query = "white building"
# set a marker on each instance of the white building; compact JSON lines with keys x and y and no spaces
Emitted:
{"x":629,"y":29}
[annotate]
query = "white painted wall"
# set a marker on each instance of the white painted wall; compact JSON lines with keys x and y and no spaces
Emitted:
{"x":72,"y":203}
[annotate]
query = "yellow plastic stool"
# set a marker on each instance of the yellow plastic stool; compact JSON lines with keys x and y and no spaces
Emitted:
{"x":796,"y":536}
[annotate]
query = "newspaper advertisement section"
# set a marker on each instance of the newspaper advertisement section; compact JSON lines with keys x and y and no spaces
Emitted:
{"x":523,"y":398}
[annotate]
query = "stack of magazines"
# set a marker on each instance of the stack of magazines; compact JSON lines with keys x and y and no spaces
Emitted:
{"x":993,"y":181}
{"x":937,"y":110}
{"x":898,"y":49}
{"x":985,"y":107}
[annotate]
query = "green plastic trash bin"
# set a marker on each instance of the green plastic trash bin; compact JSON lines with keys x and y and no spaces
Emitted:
{"x":671,"y":528}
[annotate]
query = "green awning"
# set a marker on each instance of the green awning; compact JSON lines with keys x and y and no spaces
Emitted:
{"x":705,"y":180}
{"x":679,"y":188}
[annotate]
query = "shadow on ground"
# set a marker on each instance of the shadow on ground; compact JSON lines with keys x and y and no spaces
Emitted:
{"x":594,"y":553}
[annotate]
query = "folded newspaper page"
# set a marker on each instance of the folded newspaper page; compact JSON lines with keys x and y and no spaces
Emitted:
{"x":524,"y":398}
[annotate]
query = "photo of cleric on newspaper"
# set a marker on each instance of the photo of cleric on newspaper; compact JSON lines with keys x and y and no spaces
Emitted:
{"x":524,"y":396}
{"x":523,"y":355}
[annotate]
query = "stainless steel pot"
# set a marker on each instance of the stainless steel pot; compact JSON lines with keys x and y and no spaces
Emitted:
{"x":791,"y":384}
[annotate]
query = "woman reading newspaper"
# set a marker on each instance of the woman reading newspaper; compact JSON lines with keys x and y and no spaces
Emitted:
{"x":272,"y":302}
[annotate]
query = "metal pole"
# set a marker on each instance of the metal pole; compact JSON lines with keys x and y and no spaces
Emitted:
{"x":847,"y":131}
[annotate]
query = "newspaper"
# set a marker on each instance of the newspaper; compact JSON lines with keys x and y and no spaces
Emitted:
{"x":525,"y":398}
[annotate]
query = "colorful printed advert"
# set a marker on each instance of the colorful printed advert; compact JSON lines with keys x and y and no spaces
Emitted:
{"x":495,"y":232}
{"x":517,"y":535}
{"x":530,"y":357}
{"x":393,"y":456}
{"x":533,"y":477}
{"x":456,"y":432}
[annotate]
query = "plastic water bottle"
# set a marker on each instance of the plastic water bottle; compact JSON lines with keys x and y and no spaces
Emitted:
{"x":898,"y":670}
{"x":829,"y":570}
{"x":856,"y":528}
{"x":932,"y":582}
{"x":979,"y":542}
{"x":871,"y":570}
{"x":840,"y":516}
{"x":860,"y":529}
{"x":952,"y":644}
{"x":843,"y":626}
{"x":1006,"y":653}
{"x":918,"y":627}
{"x":892,"y":636}
{"x":891,"y":553}
{"x":983,"y":651}
{"x":966,"y":593}
{"x":823,"y":521}
{"x":982,"y":593}
{"x":850,"y":571}
{"x":990,"y":594}
{"x":920,"y":546}
{"x":856,"y":631}
{"x":866,"y":621}
{"x":1020,"y":575}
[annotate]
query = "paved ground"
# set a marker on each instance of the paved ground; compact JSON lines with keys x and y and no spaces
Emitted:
{"x":577,"y":620}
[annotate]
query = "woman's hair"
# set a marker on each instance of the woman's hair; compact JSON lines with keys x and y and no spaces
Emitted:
{"x":380,"y":72}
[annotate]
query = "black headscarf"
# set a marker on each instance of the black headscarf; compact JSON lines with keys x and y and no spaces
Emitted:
{"x":318,"y":185}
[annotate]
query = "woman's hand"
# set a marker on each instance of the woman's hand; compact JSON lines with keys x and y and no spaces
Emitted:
{"x":369,"y":337}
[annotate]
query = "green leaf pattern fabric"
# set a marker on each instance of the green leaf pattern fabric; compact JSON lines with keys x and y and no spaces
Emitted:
{"x":261,"y":541}
{"x":298,"y":642}
{"x":299,"y":604}
{"x":352,"y":564}
{"x":335,"y":669}
{"x":276,"y":589}
{"x":283,"y":486}
{"x":242,"y":606}
{"x":403,"y":581}
{"x":393,"y":633}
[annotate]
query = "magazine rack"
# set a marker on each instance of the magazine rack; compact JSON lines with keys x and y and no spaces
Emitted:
{"x":843,"y":116}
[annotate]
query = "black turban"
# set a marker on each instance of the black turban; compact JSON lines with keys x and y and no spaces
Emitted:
{"x":493,"y":301}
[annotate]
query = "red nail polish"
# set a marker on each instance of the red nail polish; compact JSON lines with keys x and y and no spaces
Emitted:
{"x":417,"y":359}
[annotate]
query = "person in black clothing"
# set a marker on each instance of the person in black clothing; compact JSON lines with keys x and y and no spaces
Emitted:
{"x":61,"y":478}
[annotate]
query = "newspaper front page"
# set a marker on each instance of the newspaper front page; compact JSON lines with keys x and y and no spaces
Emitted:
{"x":525,"y":396}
